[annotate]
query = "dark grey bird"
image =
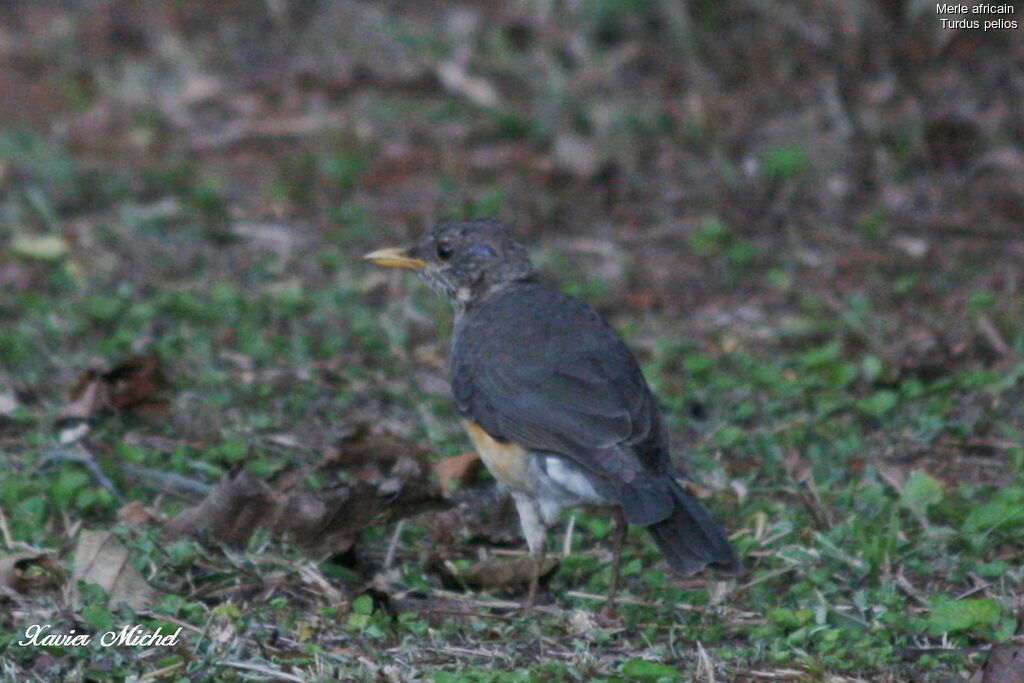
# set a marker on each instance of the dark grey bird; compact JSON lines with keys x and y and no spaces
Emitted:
{"x":554,"y":401}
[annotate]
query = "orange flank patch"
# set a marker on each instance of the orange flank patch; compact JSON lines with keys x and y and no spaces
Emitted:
{"x":506,"y":461}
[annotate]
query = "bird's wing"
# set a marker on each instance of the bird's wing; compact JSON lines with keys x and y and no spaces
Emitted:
{"x":558,"y":379}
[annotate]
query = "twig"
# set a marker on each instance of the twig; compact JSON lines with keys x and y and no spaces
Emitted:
{"x":908,"y":588}
{"x":980,"y":585}
{"x":82,"y":456}
{"x":160,"y":673}
{"x":764,"y":577}
{"x":8,"y":539}
{"x":567,"y":544}
{"x":166,"y":617}
{"x":631,"y":601}
{"x":704,"y":664}
{"x":169,"y":482}
{"x":265,"y":670}
{"x":389,"y":557}
{"x":991,"y":334}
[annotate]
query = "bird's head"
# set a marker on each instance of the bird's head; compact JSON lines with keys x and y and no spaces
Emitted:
{"x":463,"y":261}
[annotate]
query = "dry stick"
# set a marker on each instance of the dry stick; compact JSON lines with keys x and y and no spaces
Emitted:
{"x":618,"y":540}
{"x":903,"y":583}
{"x":167,"y":482}
{"x":273,"y":674}
{"x":991,"y":334}
{"x":166,"y":617}
{"x":160,"y":673}
{"x":389,"y":557}
{"x":567,"y":544}
{"x":8,"y":539}
{"x":480,"y":615}
{"x":85,"y":458}
{"x":498,"y":604}
{"x":761,"y":579}
{"x":704,"y":664}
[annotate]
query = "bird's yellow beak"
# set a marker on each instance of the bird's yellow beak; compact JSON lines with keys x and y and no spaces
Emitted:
{"x":394,"y":258}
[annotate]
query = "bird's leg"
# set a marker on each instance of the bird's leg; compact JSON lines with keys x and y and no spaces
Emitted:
{"x":535,"y":529}
{"x":619,"y":529}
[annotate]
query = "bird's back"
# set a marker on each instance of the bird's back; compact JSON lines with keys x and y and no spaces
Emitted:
{"x":567,"y":382}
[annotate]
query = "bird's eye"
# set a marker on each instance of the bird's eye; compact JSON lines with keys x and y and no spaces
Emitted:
{"x":444,"y":250}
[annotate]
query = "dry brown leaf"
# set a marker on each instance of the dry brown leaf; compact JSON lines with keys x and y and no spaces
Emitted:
{"x":437,"y":610}
{"x":135,"y":384}
{"x":503,"y":572}
{"x":482,"y":515}
{"x":232,"y":511}
{"x":30,"y":572}
{"x":135,"y":513}
{"x":457,"y":469}
{"x":86,"y":398}
{"x":391,"y":481}
{"x":100,"y":558}
{"x":1004,"y":664}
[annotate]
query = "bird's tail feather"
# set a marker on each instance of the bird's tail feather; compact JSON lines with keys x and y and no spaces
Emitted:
{"x":690,"y":540}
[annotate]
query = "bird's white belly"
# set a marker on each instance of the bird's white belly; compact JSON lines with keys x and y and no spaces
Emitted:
{"x":570,"y":478}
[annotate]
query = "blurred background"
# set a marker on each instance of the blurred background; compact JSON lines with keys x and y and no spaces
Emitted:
{"x":707,"y":141}
{"x":806,"y":217}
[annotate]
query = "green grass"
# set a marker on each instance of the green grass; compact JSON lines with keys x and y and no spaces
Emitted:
{"x":849,"y":570}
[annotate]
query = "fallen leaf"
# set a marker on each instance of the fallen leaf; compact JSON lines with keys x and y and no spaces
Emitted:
{"x":100,"y":558}
{"x":503,"y":572}
{"x":436,"y":610}
{"x":457,"y":469}
{"x":30,"y":572}
{"x":481,"y":515}
{"x":135,"y":513}
{"x":386,"y":479}
{"x":86,"y":397}
{"x":231,"y":512}
{"x":582,"y":623}
{"x":135,"y":384}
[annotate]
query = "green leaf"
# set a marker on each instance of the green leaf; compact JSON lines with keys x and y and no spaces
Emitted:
{"x":788,"y":618}
{"x":783,"y":162}
{"x":358,"y":622}
{"x":1005,"y":509}
{"x":98,"y":617}
{"x":1005,"y":630}
{"x":950,"y":616}
{"x":920,"y":491}
{"x":729,"y":435}
{"x":878,"y":403}
{"x":709,"y":237}
{"x":363,"y":604}
{"x":821,"y":356}
{"x":645,"y":670}
{"x":67,"y":485}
